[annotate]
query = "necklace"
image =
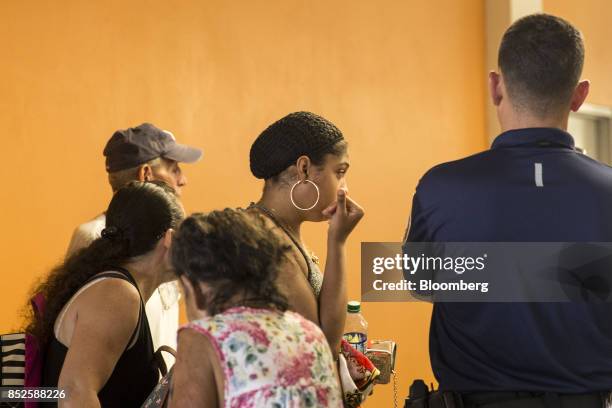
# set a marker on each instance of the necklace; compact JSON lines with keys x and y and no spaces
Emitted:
{"x":290,"y":233}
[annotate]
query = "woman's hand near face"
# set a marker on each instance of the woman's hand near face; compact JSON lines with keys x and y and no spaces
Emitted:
{"x":344,"y":215}
{"x":191,"y":305}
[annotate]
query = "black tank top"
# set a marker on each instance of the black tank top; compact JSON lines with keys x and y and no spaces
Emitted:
{"x":136,"y":372}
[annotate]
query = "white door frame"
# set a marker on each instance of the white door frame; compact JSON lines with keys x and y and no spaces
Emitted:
{"x":603,"y":116}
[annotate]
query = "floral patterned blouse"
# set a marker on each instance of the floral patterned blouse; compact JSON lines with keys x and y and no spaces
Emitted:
{"x":271,"y":359}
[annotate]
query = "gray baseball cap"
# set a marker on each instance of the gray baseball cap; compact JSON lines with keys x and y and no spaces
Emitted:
{"x":132,"y":147}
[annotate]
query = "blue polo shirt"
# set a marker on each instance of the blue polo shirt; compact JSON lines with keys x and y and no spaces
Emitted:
{"x":531,"y":186}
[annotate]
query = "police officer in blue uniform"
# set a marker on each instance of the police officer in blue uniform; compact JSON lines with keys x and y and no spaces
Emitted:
{"x":531,"y":186}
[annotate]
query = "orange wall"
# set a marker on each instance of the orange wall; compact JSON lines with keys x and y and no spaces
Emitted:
{"x":592,"y":18}
{"x":403,"y":79}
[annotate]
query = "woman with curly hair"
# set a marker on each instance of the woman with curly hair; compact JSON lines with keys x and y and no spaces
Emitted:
{"x":243,"y":348}
{"x":94,"y":328}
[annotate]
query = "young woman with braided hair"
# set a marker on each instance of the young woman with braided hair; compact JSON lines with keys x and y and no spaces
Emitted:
{"x":303,"y":161}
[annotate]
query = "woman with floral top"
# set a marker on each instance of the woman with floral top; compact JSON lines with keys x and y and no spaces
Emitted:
{"x":242,"y":347}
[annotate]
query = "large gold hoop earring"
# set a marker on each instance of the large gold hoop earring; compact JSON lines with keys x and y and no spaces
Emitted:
{"x":293,"y":201}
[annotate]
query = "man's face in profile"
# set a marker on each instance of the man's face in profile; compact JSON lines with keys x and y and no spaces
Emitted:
{"x":170,"y":173}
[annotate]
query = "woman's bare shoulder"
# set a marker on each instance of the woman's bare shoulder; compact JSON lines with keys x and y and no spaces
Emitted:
{"x":295,"y":259}
{"x":197,"y":371}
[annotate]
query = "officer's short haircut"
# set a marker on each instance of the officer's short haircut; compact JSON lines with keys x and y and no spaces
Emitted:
{"x":541,"y":58}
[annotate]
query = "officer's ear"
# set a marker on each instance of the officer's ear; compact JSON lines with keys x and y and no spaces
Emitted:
{"x":495,"y":88}
{"x":580,"y":94}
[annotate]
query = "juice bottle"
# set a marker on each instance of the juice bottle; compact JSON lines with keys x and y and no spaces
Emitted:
{"x":356,"y":327}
